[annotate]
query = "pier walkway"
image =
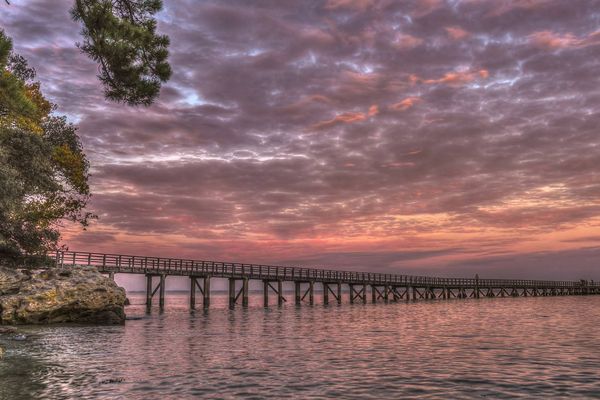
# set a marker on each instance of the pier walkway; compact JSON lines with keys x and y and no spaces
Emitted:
{"x":382,"y":287}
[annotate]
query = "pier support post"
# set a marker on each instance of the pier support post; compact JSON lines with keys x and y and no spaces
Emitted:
{"x":339,"y":292}
{"x":245,"y":292}
{"x":161,"y":300}
{"x":364,"y":294}
{"x":148,"y":291}
{"x":111,"y":275}
{"x":414,"y":293}
{"x":231,"y":293}
{"x":266,"y":293}
{"x":325,"y":293}
{"x":192,"y":292}
{"x":311,"y":293}
{"x":373,"y":294}
{"x":385,"y":293}
{"x":297,"y":292}
{"x":279,"y":293}
{"x":206,"y":293}
{"x":351,"y":287}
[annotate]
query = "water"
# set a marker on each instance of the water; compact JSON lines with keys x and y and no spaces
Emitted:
{"x":488,"y":348}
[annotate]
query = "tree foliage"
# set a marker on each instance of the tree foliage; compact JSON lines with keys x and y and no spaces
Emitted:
{"x":121,"y":36}
{"x":43,"y":170}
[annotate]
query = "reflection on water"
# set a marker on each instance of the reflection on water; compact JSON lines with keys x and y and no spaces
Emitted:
{"x":537,"y":347}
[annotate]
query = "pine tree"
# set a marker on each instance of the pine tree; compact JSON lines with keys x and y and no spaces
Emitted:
{"x":121,"y":36}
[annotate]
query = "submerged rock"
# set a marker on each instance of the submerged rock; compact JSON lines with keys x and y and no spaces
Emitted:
{"x":19,"y":337}
{"x":59,"y":295}
{"x":112,"y":380}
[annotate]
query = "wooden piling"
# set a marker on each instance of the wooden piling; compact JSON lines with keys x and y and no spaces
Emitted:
{"x":280,"y":293}
{"x":206,"y":293}
{"x":311,"y":293}
{"x":385,"y":293}
{"x":339,"y":293}
{"x":325,"y":293}
{"x":266,"y":293}
{"x":245,"y":292}
{"x":373,"y":294}
{"x":297,"y":293}
{"x":148,"y":291}
{"x":231,"y":293}
{"x":161,"y":299}
{"x":192,"y":292}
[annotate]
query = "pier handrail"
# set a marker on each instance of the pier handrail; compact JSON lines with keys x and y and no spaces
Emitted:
{"x":154,"y":265}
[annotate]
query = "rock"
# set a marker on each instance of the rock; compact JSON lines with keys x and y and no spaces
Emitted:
{"x":60,"y":295}
{"x":127,"y":302}
{"x":11,"y":330}
{"x":19,"y":338}
{"x":112,"y":380}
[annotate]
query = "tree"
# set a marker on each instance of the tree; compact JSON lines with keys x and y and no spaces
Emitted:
{"x":121,"y":36}
{"x":43,"y":170}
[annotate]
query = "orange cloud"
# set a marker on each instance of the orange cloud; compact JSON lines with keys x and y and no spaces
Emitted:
{"x":508,"y":6}
{"x":348,"y":118}
{"x":345,"y":118}
{"x":358,"y":5}
{"x":456,"y":32}
{"x":405,"y":104}
{"x":424,"y":7}
{"x":408,"y":42}
{"x":453,"y":78}
{"x":551,"y":40}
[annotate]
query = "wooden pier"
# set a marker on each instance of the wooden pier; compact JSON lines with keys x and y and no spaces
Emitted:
{"x":383,"y":287}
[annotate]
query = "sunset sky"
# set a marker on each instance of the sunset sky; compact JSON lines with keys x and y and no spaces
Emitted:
{"x":423,"y":137}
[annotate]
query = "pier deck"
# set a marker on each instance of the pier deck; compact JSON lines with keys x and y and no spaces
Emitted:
{"x":383,"y":287}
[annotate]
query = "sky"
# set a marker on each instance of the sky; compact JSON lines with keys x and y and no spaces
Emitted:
{"x":426,"y":137}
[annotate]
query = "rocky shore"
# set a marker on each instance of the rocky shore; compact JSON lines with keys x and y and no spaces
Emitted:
{"x":69,"y":295}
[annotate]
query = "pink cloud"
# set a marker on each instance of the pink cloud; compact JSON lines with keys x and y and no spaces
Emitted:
{"x":408,"y":42}
{"x":344,"y":118}
{"x":456,"y":78}
{"x":405,"y":104}
{"x":373,"y":110}
{"x":503,"y":7}
{"x":551,"y":40}
{"x":456,"y":32}
{"x":358,"y":5}
{"x":424,"y":7}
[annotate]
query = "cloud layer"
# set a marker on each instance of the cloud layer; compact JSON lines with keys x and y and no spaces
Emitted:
{"x":415,"y":134}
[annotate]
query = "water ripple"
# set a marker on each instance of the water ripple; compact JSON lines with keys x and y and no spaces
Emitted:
{"x":491,"y":348}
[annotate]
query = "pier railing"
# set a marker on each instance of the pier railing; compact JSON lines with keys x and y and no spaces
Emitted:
{"x":175,"y":266}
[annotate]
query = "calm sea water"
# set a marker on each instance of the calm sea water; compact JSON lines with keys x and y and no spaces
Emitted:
{"x":488,"y":348}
